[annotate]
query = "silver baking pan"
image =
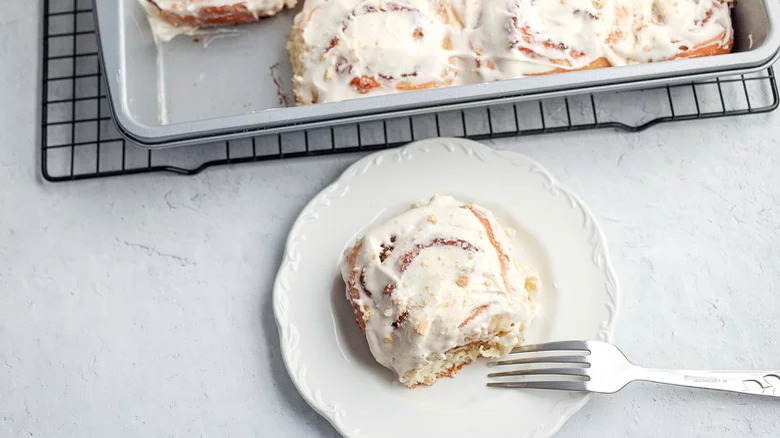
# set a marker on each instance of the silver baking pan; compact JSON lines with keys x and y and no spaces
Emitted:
{"x":236,"y":82}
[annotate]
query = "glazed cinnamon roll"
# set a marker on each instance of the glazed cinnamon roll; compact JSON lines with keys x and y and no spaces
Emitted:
{"x":658,"y":30}
{"x":436,"y":287}
{"x":516,"y":38}
{"x":169,"y":18}
{"x":342,"y":49}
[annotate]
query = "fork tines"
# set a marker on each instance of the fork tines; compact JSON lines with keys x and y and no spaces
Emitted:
{"x":575,"y":355}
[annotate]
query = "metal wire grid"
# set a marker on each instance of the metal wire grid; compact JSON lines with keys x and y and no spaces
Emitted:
{"x":80,"y":140}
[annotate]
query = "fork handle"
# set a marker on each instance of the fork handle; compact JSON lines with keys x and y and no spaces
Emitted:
{"x":751,"y":382}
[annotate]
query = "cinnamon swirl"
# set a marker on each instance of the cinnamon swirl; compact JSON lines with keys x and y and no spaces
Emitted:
{"x":436,"y":287}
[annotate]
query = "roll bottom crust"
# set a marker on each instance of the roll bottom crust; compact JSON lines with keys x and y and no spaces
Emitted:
{"x":712,"y":47}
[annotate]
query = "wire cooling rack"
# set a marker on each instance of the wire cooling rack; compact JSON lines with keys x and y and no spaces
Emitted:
{"x":80,"y":140}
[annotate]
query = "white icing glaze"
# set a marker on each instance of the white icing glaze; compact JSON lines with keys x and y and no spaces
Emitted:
{"x":510,"y":42}
{"x":399,"y":44}
{"x":165,"y":31}
{"x":440,"y":289}
{"x":474,"y":41}
{"x":655,"y":30}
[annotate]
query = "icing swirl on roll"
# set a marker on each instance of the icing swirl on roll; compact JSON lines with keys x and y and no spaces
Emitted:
{"x":656,"y":30}
{"x":436,"y":280}
{"x":515,"y":38}
{"x":353,"y":48}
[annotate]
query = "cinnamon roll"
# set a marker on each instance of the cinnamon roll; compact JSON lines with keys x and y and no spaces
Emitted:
{"x":436,"y":287}
{"x":516,"y":38}
{"x":341,"y":49}
{"x":169,"y":18}
{"x":657,"y":30}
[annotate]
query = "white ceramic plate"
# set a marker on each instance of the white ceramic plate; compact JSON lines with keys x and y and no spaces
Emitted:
{"x":326,"y":354}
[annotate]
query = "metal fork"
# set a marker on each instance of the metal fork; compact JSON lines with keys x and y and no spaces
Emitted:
{"x":595,"y":366}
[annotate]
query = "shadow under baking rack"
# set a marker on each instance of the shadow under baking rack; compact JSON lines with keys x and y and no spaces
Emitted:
{"x":79,"y":139}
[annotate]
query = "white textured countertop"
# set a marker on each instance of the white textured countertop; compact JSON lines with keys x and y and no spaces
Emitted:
{"x":140,"y":306}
